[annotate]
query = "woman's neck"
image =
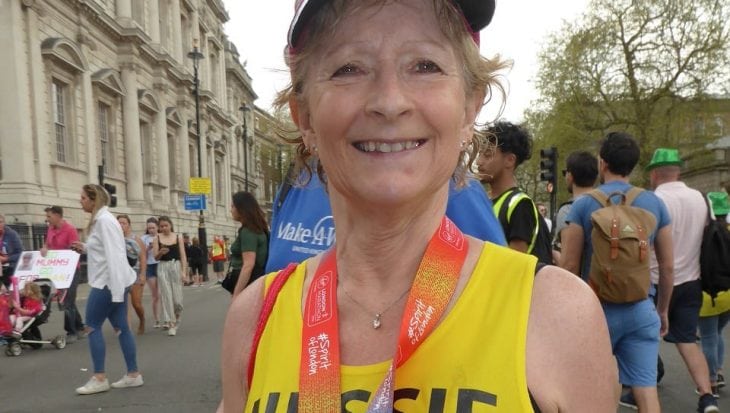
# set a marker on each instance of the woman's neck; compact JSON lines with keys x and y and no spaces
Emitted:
{"x":383,"y":247}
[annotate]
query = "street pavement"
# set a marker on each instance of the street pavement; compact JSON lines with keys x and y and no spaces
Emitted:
{"x":182,"y":373}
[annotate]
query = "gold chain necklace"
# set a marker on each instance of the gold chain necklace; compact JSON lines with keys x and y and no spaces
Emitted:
{"x":377,"y":319}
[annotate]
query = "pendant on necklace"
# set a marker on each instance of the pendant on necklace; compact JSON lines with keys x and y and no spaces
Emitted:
{"x":376,"y":322}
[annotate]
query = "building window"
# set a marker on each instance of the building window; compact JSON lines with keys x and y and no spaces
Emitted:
{"x":104,"y":143}
{"x":60,"y":96}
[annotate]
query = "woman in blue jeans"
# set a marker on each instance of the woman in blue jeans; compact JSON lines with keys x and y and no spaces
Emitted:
{"x":109,"y":278}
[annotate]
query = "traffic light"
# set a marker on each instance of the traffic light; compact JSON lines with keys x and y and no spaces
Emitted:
{"x":549,"y":165}
{"x":112,"y":190}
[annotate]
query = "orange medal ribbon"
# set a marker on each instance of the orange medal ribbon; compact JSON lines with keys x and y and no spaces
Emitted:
{"x":433,"y":288}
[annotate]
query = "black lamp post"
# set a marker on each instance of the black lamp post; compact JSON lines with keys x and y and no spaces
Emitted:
{"x":196,"y":56}
{"x":245,"y":109}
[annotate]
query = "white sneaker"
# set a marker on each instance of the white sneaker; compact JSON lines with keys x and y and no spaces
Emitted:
{"x":172,"y":331}
{"x":128,"y":381}
{"x":93,"y":386}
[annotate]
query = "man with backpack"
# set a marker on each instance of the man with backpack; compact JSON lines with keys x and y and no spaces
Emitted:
{"x":688,"y":212}
{"x":581,"y":171}
{"x":525,"y":229}
{"x":612,"y":228}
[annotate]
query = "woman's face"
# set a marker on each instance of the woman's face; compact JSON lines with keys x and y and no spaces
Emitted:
{"x":152,"y":228}
{"x":385,"y":105}
{"x":165,"y":227}
{"x":234,"y":213}
{"x":87,"y":204}
{"x":125,"y":225}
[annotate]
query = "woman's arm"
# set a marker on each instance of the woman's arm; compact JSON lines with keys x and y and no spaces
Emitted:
{"x":156,"y":247}
{"x":142,"y":260}
{"x":238,"y":332}
{"x":249,"y":259}
{"x":570,"y":365}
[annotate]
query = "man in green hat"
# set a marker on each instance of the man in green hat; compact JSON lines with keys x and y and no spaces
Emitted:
{"x":664,"y":157}
{"x":688,"y":212}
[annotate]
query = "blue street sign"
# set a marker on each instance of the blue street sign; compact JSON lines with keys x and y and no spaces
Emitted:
{"x":194,"y":202}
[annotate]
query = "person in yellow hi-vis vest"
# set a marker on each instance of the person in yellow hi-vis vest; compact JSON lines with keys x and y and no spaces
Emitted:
{"x":404,"y":312}
{"x":218,"y":257}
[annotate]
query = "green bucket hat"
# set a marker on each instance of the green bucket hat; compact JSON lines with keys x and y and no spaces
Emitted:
{"x":719,"y":202}
{"x":664,"y":157}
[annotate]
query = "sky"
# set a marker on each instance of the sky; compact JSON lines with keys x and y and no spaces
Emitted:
{"x":517,"y":32}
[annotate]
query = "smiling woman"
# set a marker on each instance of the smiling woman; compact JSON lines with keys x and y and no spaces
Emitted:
{"x":385,"y":94}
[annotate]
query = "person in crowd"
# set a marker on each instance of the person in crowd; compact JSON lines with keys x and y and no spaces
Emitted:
{"x":6,"y":306}
{"x":635,"y":344}
{"x":197,"y":258}
{"x":581,"y":172}
{"x":509,"y":146}
{"x":187,"y":277}
{"x":10,"y":250}
{"x":714,"y":315}
{"x":30,"y":305}
{"x":151,"y":274}
{"x":542,"y":209}
{"x":218,"y":257}
{"x":136,"y":252}
{"x":110,"y":277}
{"x":302,"y":203}
{"x":170,"y":253}
{"x":250,"y":248}
{"x":688,"y":212}
{"x":59,"y":236}
{"x":385,"y":95}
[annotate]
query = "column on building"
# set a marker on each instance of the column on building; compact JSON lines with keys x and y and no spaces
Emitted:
{"x":184,"y":145}
{"x":38,"y":108}
{"x":222,"y":89}
{"x":90,"y":132}
{"x":163,"y":170}
{"x":17,"y":141}
{"x":154,"y":18}
{"x":228,"y":184}
{"x":132,"y":140}
{"x":176,"y":31}
{"x":195,"y":26}
{"x":124,"y":12}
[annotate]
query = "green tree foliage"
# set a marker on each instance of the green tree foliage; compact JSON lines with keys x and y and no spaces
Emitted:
{"x":632,"y":65}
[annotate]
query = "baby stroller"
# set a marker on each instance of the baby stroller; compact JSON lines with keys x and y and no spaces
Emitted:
{"x":31,"y":334}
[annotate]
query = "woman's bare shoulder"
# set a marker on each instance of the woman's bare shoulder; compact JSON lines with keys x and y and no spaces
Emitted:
{"x":570,"y":366}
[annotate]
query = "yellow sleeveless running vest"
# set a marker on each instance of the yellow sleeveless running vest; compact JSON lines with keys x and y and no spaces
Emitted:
{"x":474,"y":361}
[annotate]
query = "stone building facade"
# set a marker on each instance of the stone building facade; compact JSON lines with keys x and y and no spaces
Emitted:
{"x":87,"y":83}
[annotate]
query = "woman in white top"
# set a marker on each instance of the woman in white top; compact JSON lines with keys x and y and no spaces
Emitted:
{"x":109,"y":278}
